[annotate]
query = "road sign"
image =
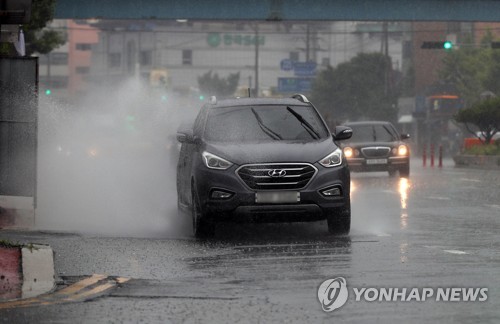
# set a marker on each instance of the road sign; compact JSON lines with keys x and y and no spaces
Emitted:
{"x":294,"y":84}
{"x":286,"y":65}
{"x":304,"y":68}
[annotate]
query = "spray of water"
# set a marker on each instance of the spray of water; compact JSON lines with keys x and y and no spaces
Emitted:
{"x":108,"y":164}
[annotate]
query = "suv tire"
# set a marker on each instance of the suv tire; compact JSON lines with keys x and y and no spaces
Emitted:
{"x":339,"y":221}
{"x":202,"y":226}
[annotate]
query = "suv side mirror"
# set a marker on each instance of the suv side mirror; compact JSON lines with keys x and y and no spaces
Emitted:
{"x":185,"y":136}
{"x":405,"y":136}
{"x":342,"y":133}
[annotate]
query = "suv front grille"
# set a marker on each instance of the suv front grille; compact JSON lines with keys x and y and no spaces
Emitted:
{"x":276,"y":176}
{"x":376,"y":151}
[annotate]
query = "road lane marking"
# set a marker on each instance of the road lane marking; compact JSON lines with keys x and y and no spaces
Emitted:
{"x":90,"y":293}
{"x":456,"y":252}
{"x":80,"y":285}
{"x":438,"y":198}
{"x":470,"y":180}
{"x":82,"y":290}
{"x":493,"y":206}
{"x":122,"y":280}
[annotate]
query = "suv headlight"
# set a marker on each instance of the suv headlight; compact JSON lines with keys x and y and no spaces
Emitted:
{"x":333,"y":159}
{"x":212,"y":161}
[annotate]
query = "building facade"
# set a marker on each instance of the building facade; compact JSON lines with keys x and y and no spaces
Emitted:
{"x":275,"y":59}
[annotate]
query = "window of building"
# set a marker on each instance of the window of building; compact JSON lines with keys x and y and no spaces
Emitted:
{"x":114,"y":60}
{"x":54,"y":81}
{"x":83,"y":46}
{"x":294,"y":56}
{"x":146,"y":58}
{"x":187,"y":57}
{"x":82,"y":69}
{"x":57,"y":58}
{"x":407,"y":49}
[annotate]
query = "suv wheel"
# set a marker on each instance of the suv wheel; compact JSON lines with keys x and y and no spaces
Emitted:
{"x":202,"y":227}
{"x":339,"y":221}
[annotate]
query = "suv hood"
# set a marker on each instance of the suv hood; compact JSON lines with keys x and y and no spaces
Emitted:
{"x":272,"y":152}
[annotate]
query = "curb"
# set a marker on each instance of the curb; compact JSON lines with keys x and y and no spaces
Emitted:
{"x":490,"y":162}
{"x":26,"y":271}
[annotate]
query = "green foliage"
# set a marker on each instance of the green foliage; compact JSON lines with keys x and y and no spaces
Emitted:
{"x":473,"y":70}
{"x":8,"y":244}
{"x":485,"y":115}
{"x":486,"y":149}
{"x":358,"y":89}
{"x":37,"y":39}
{"x":211,"y":84}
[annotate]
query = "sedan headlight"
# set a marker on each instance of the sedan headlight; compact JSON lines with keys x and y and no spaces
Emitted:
{"x":333,"y":159}
{"x":348,"y":152}
{"x":402,"y":150}
{"x":212,"y":161}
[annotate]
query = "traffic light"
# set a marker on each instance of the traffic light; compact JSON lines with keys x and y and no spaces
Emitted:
{"x":48,"y":92}
{"x":446,"y":45}
{"x":202,"y":97}
{"x":130,"y":122}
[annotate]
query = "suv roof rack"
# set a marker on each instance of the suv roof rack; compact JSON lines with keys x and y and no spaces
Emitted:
{"x":300,"y":97}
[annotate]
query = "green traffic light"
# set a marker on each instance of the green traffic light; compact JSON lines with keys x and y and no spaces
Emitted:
{"x":130,"y":122}
{"x":447,"y":45}
{"x":48,"y":92}
{"x":202,"y":97}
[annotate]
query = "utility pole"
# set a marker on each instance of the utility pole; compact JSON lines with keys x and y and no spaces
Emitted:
{"x":385,"y":51}
{"x":256,"y":60}
{"x":308,"y":40}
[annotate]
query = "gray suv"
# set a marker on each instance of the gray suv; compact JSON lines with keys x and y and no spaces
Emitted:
{"x":263,"y":160}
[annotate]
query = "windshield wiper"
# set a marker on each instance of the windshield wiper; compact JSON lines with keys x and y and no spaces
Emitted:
{"x":266,"y":129}
{"x":308,"y":127}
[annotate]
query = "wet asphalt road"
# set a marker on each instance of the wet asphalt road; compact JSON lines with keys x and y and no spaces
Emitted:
{"x":439,"y":229}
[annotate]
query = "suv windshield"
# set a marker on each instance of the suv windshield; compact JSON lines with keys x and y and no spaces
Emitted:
{"x":264,"y":123}
{"x":373,"y":133}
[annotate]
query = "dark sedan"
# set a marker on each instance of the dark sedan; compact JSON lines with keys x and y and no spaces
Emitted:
{"x":377,"y":146}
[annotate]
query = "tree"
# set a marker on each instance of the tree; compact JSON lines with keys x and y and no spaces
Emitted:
{"x":211,"y":84}
{"x":359,"y":89}
{"x":472,"y":70}
{"x":37,"y":39}
{"x":485,"y":115}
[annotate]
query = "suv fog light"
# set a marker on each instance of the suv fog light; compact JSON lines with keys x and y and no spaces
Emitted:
{"x":332,"y":192}
{"x":220,"y":194}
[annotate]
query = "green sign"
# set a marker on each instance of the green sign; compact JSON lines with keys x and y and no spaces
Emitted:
{"x":218,"y":39}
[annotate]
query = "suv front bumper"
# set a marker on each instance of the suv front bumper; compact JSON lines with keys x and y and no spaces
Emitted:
{"x":243,"y":207}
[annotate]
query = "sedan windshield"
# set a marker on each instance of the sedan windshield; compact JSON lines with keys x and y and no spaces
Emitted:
{"x":264,"y":123}
{"x":373,"y":133}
